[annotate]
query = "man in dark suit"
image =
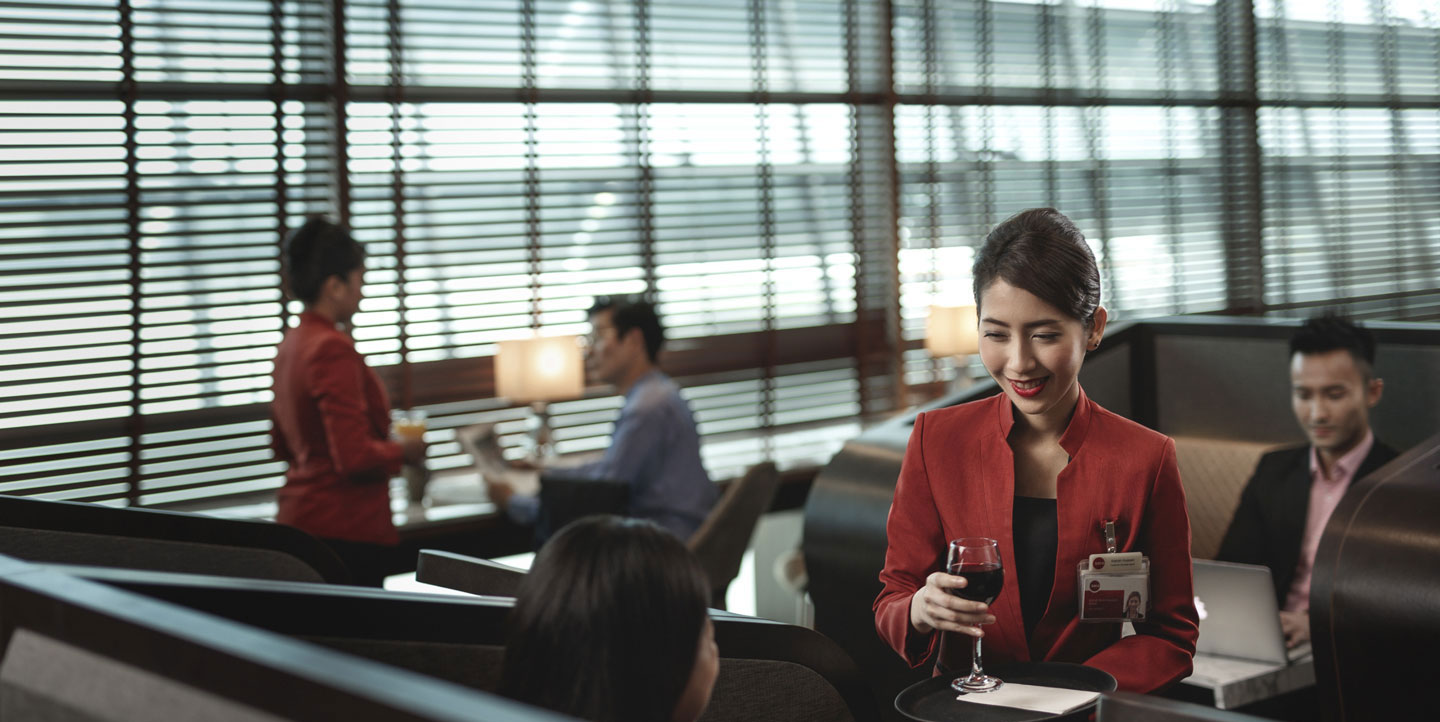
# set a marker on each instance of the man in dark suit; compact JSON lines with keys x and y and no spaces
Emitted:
{"x":1287,"y":501}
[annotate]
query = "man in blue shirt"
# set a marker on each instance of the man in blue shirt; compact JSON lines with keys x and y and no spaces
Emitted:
{"x":655,"y":446}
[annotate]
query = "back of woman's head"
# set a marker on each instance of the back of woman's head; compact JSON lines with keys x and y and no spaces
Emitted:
{"x":316,"y":251}
{"x":1039,"y":250}
{"x":607,"y":623}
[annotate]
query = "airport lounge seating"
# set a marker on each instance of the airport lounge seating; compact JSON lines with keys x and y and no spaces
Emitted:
{"x":768,"y":670}
{"x":722,"y":540}
{"x":83,"y":651}
{"x":1374,"y":596}
{"x":467,"y":574}
{"x":720,"y":543}
{"x":66,"y":532}
{"x":1218,"y":385}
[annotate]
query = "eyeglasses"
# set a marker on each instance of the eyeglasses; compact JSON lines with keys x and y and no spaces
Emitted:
{"x":595,"y":336}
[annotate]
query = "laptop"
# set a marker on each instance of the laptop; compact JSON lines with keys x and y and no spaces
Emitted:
{"x":1238,"y":615}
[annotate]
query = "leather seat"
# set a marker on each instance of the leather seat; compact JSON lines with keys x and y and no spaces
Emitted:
{"x":721,"y":541}
{"x":1374,"y":595}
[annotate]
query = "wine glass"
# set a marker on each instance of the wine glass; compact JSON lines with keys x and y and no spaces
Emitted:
{"x":978,"y":560}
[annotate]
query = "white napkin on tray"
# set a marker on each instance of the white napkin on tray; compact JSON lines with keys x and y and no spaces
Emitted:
{"x":1054,"y":700}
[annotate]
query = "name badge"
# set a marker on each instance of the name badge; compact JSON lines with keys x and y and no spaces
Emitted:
{"x":1114,"y":586}
{"x":1117,"y":562}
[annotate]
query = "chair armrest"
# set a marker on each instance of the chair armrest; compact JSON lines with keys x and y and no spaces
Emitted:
{"x":467,"y":574}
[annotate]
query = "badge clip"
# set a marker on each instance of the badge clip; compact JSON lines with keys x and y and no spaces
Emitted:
{"x":1113,"y":586}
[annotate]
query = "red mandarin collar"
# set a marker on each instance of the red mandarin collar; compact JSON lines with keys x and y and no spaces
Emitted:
{"x":308,"y":316}
{"x":1075,"y":432}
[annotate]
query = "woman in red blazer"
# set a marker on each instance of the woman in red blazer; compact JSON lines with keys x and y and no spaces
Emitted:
{"x":331,"y":417}
{"x":1040,"y":468}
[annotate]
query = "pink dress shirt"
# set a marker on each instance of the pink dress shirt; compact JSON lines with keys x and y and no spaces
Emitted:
{"x":1325,"y":493}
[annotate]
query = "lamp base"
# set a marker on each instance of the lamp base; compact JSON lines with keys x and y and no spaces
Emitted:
{"x":542,"y":445}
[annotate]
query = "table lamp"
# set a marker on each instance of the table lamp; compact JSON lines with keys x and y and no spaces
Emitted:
{"x":953,"y":331}
{"x":537,"y":371}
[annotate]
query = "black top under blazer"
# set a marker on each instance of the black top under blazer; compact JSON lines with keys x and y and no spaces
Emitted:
{"x":1270,"y":521}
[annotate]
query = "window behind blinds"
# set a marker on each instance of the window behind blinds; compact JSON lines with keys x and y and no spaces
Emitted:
{"x":1350,"y":130}
{"x":502,"y":162}
{"x":794,"y":182}
{"x":155,"y":152}
{"x":1110,"y":112}
{"x":646,"y":151}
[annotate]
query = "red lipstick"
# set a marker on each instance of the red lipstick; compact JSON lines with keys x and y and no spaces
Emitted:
{"x":1027,"y":392}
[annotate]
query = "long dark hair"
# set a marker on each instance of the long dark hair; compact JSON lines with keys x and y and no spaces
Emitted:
{"x":316,"y":251}
{"x":1039,"y":250}
{"x":606,"y":624}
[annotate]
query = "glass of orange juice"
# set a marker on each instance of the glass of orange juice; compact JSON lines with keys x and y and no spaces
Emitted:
{"x":408,"y":425}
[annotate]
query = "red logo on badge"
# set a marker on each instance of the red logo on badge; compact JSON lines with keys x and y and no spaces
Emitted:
{"x":1094,"y":585}
{"x":1099,"y":563}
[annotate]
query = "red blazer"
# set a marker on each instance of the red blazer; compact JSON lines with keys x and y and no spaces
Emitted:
{"x":958,"y":479}
{"x":331,"y":424}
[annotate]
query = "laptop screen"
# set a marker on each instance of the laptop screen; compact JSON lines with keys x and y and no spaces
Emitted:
{"x":1238,"y":614}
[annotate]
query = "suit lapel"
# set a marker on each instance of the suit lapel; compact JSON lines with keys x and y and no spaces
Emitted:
{"x":1379,"y":456}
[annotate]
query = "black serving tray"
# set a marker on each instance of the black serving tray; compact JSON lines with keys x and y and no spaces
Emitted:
{"x":934,"y":701}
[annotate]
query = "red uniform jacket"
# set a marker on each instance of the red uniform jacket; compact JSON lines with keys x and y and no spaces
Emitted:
{"x":958,"y":479}
{"x":331,"y":424}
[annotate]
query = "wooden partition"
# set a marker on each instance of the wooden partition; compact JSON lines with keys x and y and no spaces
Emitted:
{"x":1204,"y":380}
{"x":1375,"y":594}
{"x":81,"y":533}
{"x":769,"y":672}
{"x":76,"y":649}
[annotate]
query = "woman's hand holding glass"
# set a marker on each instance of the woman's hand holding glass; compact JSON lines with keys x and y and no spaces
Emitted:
{"x":408,"y":428}
{"x":977,"y":560}
{"x":934,"y":606}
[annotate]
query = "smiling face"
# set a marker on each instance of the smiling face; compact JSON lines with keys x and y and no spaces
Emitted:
{"x":1332,"y":398}
{"x":1033,"y":350}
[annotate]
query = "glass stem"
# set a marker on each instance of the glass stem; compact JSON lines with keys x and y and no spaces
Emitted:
{"x":976,"y":672}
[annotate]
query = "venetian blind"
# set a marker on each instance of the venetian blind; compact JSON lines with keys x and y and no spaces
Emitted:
{"x":154,"y":153}
{"x":1350,"y":128}
{"x":1108,"y":111}
{"x":506,"y":179}
{"x":503,"y":162}
{"x":794,"y":182}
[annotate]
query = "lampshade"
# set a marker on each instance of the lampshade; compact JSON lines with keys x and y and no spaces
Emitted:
{"x":952,"y":331}
{"x":548,"y":368}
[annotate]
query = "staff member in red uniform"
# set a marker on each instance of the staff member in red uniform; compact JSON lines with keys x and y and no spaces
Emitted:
{"x":1039,"y":468}
{"x":331,"y":417}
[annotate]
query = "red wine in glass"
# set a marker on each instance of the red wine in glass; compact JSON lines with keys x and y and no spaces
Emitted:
{"x":984,"y":581}
{"x":977,"y":559}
